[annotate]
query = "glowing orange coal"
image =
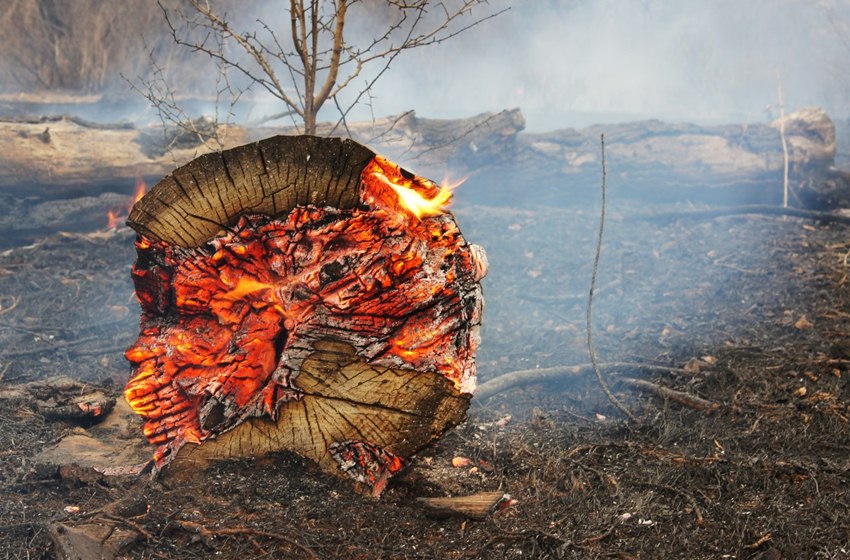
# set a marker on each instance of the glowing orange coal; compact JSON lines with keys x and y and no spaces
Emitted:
{"x":226,"y":326}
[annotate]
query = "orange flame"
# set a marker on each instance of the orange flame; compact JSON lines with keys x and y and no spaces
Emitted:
{"x":417,"y":204}
{"x":141,"y":189}
{"x":407,"y":192}
{"x":114,"y":216}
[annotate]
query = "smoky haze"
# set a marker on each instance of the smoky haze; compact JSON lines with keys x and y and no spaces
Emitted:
{"x":565,"y":63}
{"x":573,"y":63}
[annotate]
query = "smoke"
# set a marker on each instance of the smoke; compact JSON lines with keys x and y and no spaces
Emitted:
{"x":574,"y":63}
{"x":565,"y":63}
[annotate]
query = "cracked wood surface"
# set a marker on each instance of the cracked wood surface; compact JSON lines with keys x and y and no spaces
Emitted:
{"x":269,"y":177}
{"x":344,"y":398}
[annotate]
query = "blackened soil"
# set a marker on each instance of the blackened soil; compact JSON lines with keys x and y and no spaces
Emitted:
{"x":756,"y":310}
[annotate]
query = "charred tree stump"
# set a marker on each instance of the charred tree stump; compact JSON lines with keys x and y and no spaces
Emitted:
{"x":302,"y":294}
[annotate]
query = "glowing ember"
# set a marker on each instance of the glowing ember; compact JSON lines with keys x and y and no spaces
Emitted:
{"x":227,"y":327}
{"x":366,"y":463}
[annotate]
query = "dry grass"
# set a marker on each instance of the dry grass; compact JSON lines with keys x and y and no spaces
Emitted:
{"x":76,"y":45}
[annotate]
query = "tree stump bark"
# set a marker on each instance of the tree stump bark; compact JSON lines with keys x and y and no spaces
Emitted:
{"x":302,"y":294}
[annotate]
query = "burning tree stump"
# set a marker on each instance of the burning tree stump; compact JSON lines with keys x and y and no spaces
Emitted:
{"x":302,"y":294}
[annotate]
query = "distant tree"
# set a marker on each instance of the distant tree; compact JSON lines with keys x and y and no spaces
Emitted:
{"x":323,"y":48}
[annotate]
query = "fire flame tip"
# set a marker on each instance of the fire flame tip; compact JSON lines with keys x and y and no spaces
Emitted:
{"x":114,"y":217}
{"x":452,"y":185}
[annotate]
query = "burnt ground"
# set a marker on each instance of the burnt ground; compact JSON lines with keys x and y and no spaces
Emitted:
{"x":756,"y":307}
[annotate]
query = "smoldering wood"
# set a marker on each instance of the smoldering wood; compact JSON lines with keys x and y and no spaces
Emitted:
{"x":292,"y":302}
{"x":361,"y":403}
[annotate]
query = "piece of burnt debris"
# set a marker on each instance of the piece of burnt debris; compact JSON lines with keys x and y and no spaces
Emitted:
{"x":475,"y":506}
{"x":62,"y":398}
{"x":302,"y":294}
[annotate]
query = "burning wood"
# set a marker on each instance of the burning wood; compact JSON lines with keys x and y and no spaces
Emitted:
{"x":302,"y":294}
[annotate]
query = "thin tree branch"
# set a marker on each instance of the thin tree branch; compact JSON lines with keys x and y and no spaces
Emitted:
{"x":320,"y":63}
{"x":524,"y":377}
{"x":685,"y":399}
{"x":590,"y":348}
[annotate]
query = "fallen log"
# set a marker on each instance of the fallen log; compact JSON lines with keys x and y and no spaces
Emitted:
{"x":662,"y":162}
{"x":64,"y":153}
{"x":653,"y":160}
{"x":440,"y":145}
{"x":302,"y":294}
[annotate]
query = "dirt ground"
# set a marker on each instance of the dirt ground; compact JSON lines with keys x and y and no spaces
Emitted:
{"x":754,"y":309}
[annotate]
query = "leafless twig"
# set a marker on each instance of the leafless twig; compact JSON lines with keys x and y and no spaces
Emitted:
{"x":558,"y":373}
{"x":782,"y":136}
{"x":685,"y":399}
{"x":207,"y":533}
{"x":590,"y":348}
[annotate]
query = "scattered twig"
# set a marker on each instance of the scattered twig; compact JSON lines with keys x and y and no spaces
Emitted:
{"x":132,"y":524}
{"x":603,"y":478}
{"x":595,"y":539}
{"x":528,"y":534}
{"x":556,"y":373}
{"x":685,"y":399}
{"x":590,"y":348}
{"x":18,"y":526}
{"x":15,"y":302}
{"x":687,"y":495}
{"x":825,"y":217}
{"x":206,"y":533}
{"x":765,"y":538}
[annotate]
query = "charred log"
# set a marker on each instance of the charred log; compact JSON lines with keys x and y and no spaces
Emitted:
{"x":302,"y":294}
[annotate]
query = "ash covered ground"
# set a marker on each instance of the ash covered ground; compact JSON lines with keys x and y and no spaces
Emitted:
{"x":753,"y":308}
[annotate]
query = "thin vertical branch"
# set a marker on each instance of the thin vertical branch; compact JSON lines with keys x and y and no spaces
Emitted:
{"x":590,"y":347}
{"x":782,"y":136}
